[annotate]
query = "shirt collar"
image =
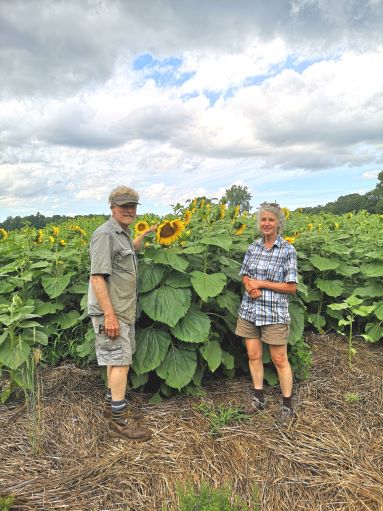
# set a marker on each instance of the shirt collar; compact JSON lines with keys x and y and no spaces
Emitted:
{"x":277,"y":242}
{"x":117,"y":227}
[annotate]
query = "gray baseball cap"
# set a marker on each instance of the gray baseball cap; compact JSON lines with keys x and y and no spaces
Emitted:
{"x":121,"y":200}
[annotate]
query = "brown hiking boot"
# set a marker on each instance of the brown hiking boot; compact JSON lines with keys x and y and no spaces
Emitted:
{"x":120,"y":428}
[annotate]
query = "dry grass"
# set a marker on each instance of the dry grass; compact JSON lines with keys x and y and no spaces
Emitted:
{"x":330,"y":459}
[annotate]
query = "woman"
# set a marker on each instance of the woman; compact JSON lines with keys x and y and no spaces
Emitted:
{"x":269,"y":273}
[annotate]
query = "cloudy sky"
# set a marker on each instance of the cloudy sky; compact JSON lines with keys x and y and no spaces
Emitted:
{"x":179,"y":98}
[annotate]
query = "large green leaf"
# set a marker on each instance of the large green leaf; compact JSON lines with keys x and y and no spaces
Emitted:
{"x":232,"y":270}
{"x":318,"y":321}
{"x":194,"y":249}
{"x":212,"y":353}
{"x":34,"y":335}
{"x":168,"y":257}
{"x":323,"y":263}
{"x":68,"y":319}
{"x":379,"y":310}
{"x":40,"y":264}
{"x":230,"y":301}
{"x":297,"y":315}
{"x":149,"y":276}
{"x":372,"y":269}
{"x":227,"y":360}
{"x":194,"y":327}
{"x":177,"y":279}
{"x":178,"y":367}
{"x":137,"y":380}
{"x":166,"y":304}
{"x":79,"y":288}
{"x":219,"y":240}
{"x":13,"y":354}
{"x":330,"y":287}
{"x":374,"y":332}
{"x":151,"y":347}
{"x":42,"y":308}
{"x":207,"y":285}
{"x":54,"y":286}
{"x":372,"y":290}
{"x":346,"y":270}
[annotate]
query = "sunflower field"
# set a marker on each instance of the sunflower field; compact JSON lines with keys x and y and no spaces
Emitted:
{"x":189,"y":293}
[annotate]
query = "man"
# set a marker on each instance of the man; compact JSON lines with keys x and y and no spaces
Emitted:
{"x":112,"y":303}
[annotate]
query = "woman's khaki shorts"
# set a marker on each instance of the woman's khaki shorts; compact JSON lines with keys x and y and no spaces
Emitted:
{"x":114,"y":352}
{"x":276,"y":334}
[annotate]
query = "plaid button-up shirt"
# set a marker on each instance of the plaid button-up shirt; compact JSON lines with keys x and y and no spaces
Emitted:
{"x":277,"y":264}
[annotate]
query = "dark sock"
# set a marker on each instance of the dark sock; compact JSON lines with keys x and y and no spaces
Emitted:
{"x":118,"y":408}
{"x":259,"y":394}
{"x":287,"y":402}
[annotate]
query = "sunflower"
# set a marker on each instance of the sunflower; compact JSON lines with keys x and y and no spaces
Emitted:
{"x":240,"y":229}
{"x":55,"y":231}
{"x":290,"y":239}
{"x":40,"y":236}
{"x":3,"y":234}
{"x":222,"y":211}
{"x":236,"y":211}
{"x":140,"y":227}
{"x":169,"y":231}
{"x":187,"y":216}
{"x":310,"y":227}
{"x":77,"y":228}
{"x":286,"y":212}
{"x":62,"y":243}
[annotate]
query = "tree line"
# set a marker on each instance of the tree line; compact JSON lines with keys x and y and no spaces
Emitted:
{"x":38,"y":220}
{"x":371,"y":201}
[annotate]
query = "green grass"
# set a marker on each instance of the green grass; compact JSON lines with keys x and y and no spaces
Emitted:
{"x":221,"y":415}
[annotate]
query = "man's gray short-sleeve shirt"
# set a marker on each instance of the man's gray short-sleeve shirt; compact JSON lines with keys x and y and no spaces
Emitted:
{"x":112,"y":255}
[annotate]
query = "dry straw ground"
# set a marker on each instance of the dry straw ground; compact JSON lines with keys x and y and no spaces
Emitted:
{"x":330,"y":459}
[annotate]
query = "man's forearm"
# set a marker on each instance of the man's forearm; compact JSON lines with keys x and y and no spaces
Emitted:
{"x":102,"y":294}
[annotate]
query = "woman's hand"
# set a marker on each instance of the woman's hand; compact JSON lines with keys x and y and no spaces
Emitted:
{"x":254,"y":293}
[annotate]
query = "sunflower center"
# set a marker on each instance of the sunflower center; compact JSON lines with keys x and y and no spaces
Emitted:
{"x":167,"y":231}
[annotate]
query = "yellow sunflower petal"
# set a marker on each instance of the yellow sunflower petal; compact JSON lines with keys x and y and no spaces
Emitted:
{"x":169,"y":231}
{"x":140,"y":227}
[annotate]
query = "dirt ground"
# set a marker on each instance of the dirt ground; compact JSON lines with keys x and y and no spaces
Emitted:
{"x":331,"y":458}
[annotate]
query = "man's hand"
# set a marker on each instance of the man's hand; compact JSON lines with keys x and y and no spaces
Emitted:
{"x":112,"y":326}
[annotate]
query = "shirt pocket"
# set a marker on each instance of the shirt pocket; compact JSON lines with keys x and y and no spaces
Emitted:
{"x":124,"y":260}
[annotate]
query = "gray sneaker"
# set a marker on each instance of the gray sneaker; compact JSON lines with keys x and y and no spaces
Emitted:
{"x":256,"y":405}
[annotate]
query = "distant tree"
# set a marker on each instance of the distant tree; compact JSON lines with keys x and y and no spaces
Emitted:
{"x":238,"y":195}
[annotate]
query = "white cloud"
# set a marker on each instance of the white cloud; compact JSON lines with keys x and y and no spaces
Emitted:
{"x":236,"y":92}
{"x":370,"y":174}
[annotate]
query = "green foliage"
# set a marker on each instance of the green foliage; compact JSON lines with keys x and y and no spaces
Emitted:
{"x":352,"y":398}
{"x":189,"y":294}
{"x":206,"y":498}
{"x":221,"y":415}
{"x":6,"y":503}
